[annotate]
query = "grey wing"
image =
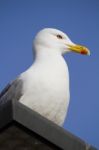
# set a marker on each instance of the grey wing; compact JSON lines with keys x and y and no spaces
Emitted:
{"x":12,"y":91}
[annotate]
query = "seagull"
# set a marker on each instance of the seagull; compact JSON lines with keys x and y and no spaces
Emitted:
{"x":44,"y":86}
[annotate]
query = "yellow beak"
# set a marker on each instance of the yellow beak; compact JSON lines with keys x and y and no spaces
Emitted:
{"x":79,"y":49}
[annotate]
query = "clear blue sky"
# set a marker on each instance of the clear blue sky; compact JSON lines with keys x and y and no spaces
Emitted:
{"x":19,"y":22}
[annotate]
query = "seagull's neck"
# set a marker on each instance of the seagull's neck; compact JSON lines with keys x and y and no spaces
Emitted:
{"x":46,"y":55}
{"x":50,"y":60}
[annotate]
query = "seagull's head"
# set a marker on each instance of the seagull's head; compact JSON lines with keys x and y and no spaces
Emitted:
{"x":56,"y":40}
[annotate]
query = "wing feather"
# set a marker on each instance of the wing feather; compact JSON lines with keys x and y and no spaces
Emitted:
{"x":13,"y":91}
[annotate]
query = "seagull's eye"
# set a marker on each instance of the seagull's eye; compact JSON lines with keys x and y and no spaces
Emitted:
{"x":59,"y":36}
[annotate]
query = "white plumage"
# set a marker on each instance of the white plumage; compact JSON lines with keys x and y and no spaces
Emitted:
{"x":46,"y":82}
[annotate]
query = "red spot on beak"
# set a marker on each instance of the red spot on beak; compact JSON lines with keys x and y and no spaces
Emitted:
{"x":84,"y":52}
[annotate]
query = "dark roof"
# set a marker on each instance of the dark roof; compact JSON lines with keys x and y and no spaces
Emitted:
{"x":14,"y":111}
